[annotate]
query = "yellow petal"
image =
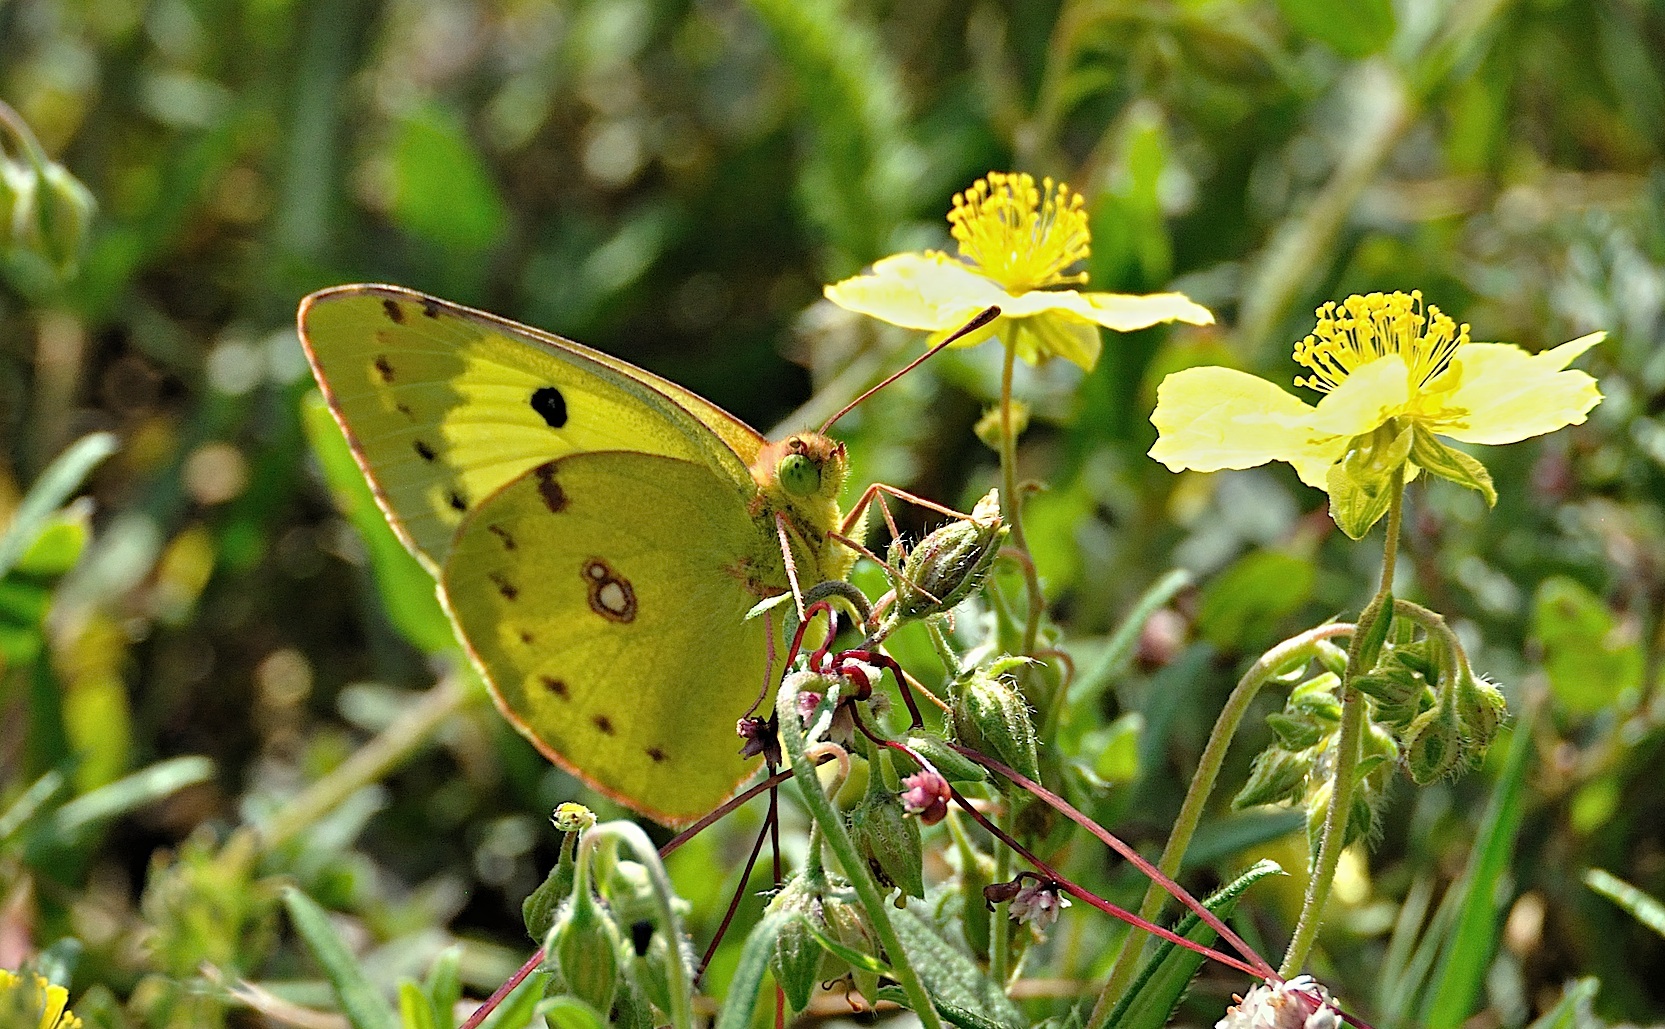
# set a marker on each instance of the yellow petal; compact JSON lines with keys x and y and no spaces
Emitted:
{"x":1125,"y":312}
{"x":1370,"y":395}
{"x":1503,"y":394}
{"x":931,"y":291}
{"x":1208,"y":419}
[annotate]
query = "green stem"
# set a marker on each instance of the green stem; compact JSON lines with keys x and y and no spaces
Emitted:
{"x":832,"y":826}
{"x":389,"y":749}
{"x":1000,"y":922}
{"x":945,"y":650}
{"x":1013,"y":502}
{"x":1280,"y":658}
{"x":680,"y":988}
{"x":1338,"y":811}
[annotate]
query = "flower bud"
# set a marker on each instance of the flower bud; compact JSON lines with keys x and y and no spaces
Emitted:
{"x":18,"y":187}
{"x":796,"y":962}
{"x":847,"y":923}
{"x":65,"y":218}
{"x":889,"y":840}
{"x":991,"y":716}
{"x":948,"y":565}
{"x":1315,"y":699}
{"x":542,"y":904}
{"x":1434,"y":744}
{"x":987,"y":428}
{"x":1481,"y":709}
{"x":954,"y":766}
{"x":1277,"y":775}
{"x":584,"y":945}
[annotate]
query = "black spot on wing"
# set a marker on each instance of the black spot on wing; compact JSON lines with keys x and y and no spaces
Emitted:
{"x":554,"y":685}
{"x":395,"y":313}
{"x":430,"y":307}
{"x":553,"y":497}
{"x":656,"y":754}
{"x":384,"y":368}
{"x":424,"y":451}
{"x":457,"y":501}
{"x":604,"y":724}
{"x":506,"y":588}
{"x":502,"y":534}
{"x":551,"y":406}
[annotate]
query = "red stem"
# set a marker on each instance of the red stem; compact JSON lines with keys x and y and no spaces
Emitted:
{"x":1089,"y":897}
{"x":1180,"y":893}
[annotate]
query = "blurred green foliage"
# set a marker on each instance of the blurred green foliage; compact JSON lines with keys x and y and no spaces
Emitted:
{"x":210,"y":635}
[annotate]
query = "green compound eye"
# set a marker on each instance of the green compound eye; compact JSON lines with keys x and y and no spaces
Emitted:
{"x":799,"y":476}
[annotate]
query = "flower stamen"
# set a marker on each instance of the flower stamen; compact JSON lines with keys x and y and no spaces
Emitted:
{"x":1020,"y":236}
{"x":1364,"y":328}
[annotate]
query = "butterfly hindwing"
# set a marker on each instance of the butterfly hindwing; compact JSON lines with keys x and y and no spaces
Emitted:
{"x":443,"y":405}
{"x":604,"y":596}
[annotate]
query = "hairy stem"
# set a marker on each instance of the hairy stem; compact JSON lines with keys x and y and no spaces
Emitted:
{"x":1339,"y":810}
{"x":1283,"y":656}
{"x":832,"y":825}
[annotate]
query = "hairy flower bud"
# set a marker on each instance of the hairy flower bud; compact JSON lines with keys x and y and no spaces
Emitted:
{"x":1481,"y":709}
{"x":584,"y":946}
{"x":796,"y":962}
{"x":64,"y":218}
{"x":1277,"y":775}
{"x":889,"y":840}
{"x":950,"y":564}
{"x":1434,"y":744}
{"x":991,"y":716}
{"x":541,"y":906}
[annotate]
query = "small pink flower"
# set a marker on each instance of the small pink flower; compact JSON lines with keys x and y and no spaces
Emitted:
{"x":925,"y":793}
{"x":1038,"y":903}
{"x":1300,"y":1003}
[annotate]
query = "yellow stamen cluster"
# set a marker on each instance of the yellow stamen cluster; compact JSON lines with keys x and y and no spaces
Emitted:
{"x":1366,"y":327}
{"x":22,"y":998}
{"x":1020,"y":236}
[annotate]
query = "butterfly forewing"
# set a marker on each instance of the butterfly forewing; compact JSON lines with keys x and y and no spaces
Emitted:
{"x":444,"y":405}
{"x":604,"y":597}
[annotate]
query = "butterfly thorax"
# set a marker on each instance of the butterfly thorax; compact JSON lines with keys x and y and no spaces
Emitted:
{"x":800,"y":478}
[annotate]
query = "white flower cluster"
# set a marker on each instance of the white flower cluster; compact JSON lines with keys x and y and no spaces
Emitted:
{"x":1300,"y":1003}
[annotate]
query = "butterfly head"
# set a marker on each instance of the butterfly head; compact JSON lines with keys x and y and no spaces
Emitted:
{"x":803,"y":467}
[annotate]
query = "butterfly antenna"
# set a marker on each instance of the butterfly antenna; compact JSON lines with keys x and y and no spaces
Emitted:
{"x":983,"y":318}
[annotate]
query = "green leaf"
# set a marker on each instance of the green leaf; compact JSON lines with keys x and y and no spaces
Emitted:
{"x":1645,"y":909}
{"x":442,"y":189}
{"x":1245,"y":602}
{"x":1353,"y":28}
{"x":1439,"y":459}
{"x":143,"y":787}
{"x":29,"y":804}
{"x":1161,"y":983}
{"x":443,"y":987}
{"x":50,"y":492}
{"x":414,"y":1010}
{"x":743,"y":988}
{"x":359,"y":1001}
{"x":570,"y":1013}
{"x":406,"y":588}
{"x":1572,"y":1011}
{"x":950,"y":977}
{"x":1468,"y":952}
{"x":1589,"y":656}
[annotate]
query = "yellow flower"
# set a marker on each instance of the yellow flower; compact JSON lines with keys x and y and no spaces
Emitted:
{"x":1017,"y":241}
{"x":1394,"y":378}
{"x":29,"y":1000}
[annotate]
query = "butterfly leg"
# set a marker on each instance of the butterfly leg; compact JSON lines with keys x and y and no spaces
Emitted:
{"x":874,"y":491}
{"x":791,"y":565}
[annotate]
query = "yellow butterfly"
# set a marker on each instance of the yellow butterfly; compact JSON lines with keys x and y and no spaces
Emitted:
{"x":599,"y":533}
